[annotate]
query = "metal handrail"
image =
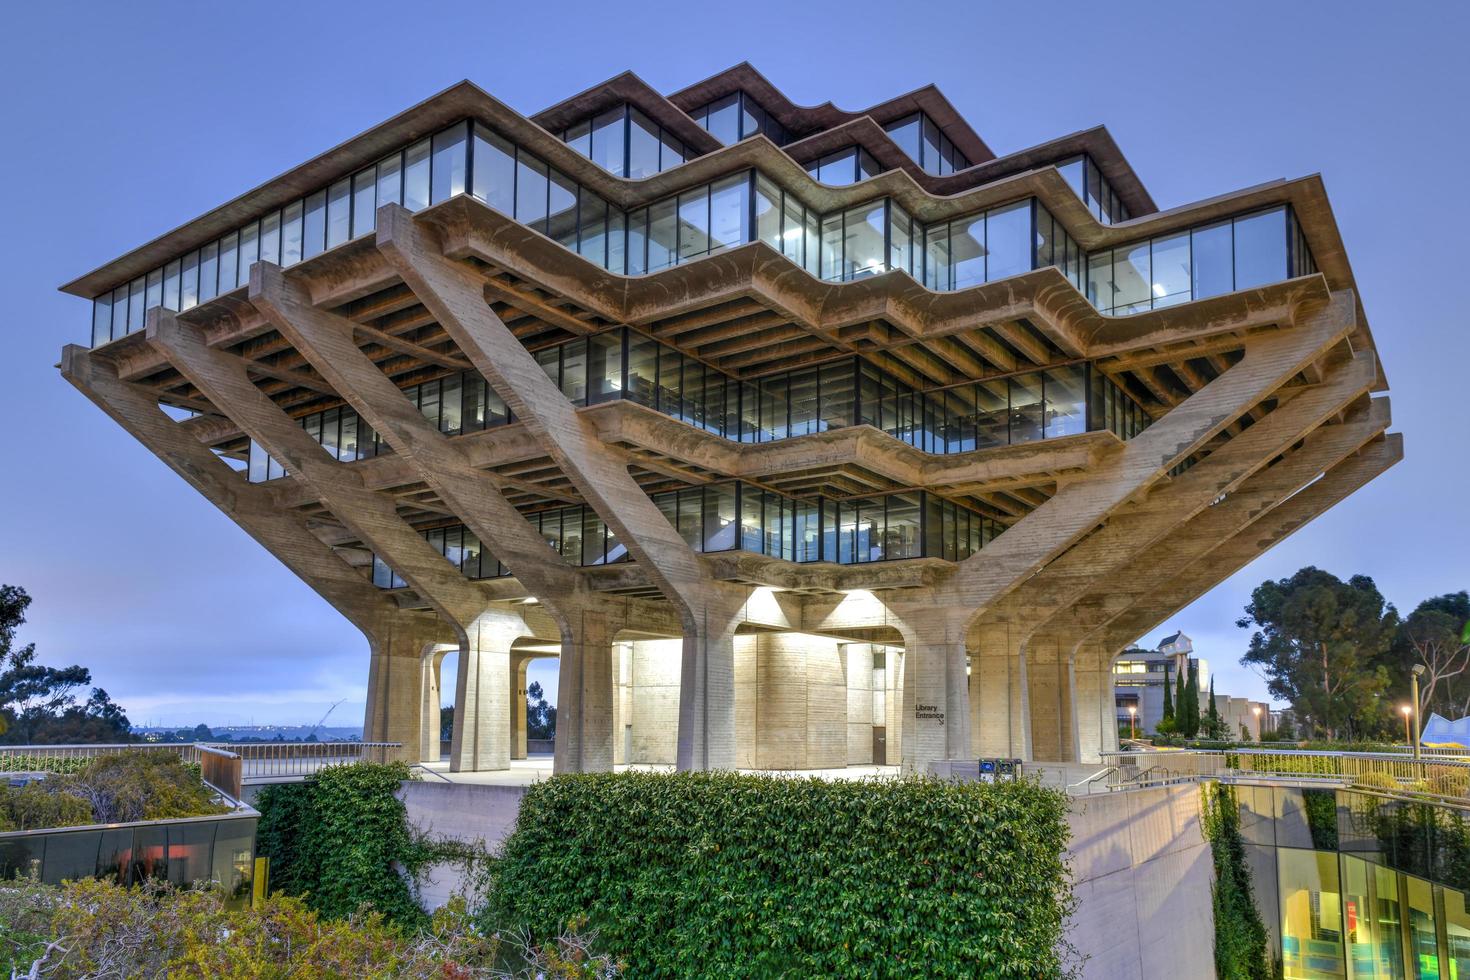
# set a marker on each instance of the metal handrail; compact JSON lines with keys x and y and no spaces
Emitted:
{"x":1092,"y":779}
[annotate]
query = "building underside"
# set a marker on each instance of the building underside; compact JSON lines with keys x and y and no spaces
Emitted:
{"x":789,"y":470}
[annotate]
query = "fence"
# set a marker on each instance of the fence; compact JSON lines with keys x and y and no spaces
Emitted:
{"x":1301,"y":765}
{"x":268,"y":761}
{"x":225,"y":768}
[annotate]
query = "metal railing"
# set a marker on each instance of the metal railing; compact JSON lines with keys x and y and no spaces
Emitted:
{"x":219,"y":768}
{"x":267,"y":761}
{"x":225,"y":767}
{"x":1302,"y":765}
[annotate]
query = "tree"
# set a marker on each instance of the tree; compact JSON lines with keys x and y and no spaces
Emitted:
{"x":1320,"y":643}
{"x":1167,"y":721}
{"x":1437,"y":635}
{"x":540,"y":716}
{"x":39,"y":703}
{"x":1179,"y":714}
{"x":1188,"y":711}
{"x":1213,"y":724}
{"x":446,"y":723}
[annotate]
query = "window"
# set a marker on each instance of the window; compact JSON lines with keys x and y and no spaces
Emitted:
{"x":314,"y":226}
{"x":495,"y":171}
{"x":449,"y":163}
{"x":1260,"y":249}
{"x":608,"y":141}
{"x":643,"y":146}
{"x":364,"y":202}
{"x":531,"y":190}
{"x":416,"y":165}
{"x":339,"y":213}
{"x":723,"y":119}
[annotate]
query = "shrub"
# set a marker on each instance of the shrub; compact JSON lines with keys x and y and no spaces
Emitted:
{"x":141,"y":785}
{"x":94,"y":929}
{"x":334,"y":840}
{"x":41,"y":804}
{"x":718,"y":874}
{"x":1376,"y":780}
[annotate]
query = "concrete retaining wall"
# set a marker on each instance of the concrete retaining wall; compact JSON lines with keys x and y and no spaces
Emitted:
{"x":1142,"y":871}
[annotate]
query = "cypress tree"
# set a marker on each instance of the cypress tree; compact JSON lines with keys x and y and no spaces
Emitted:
{"x":1214,"y":715}
{"x":1167,"y":721}
{"x":1189,"y":710}
{"x":1179,"y":712}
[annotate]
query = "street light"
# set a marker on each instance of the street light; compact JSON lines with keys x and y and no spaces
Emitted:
{"x":1414,"y":683}
{"x":1408,"y":738}
{"x":1133,"y":721}
{"x":1256,"y":710}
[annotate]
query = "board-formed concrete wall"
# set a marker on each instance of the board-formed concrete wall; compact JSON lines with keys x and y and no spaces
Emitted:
{"x":791,"y":702}
{"x":654,"y":702}
{"x":1142,"y":874}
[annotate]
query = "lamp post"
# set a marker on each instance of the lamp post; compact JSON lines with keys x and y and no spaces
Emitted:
{"x":1414,"y":684}
{"x":1256,"y":710}
{"x":1408,"y":738}
{"x":1133,"y":721}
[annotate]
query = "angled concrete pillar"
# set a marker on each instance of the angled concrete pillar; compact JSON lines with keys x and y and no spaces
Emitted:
{"x":395,"y":636}
{"x":454,"y":293}
{"x":1270,"y":360}
{"x":1257,"y":538}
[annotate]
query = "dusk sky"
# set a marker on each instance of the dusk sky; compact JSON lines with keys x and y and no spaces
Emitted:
{"x":127,"y":120}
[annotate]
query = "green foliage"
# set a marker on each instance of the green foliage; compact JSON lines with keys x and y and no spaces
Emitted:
{"x":119,"y":788}
{"x":719,"y":874}
{"x":1321,"y":807}
{"x":37,"y":805}
{"x":39,"y":703}
{"x":1168,"y":717}
{"x":1321,"y":642}
{"x":1188,"y":711}
{"x":335,"y":839}
{"x":25,"y":762}
{"x":1240,"y":935}
{"x":93,"y":929}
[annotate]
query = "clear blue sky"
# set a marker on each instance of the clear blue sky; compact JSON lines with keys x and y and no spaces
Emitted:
{"x":125,"y":120}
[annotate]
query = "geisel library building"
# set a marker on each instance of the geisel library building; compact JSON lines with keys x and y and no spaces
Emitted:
{"x":805,"y":438}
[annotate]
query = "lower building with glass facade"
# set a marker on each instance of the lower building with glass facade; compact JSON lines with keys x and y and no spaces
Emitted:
{"x":802,"y":438}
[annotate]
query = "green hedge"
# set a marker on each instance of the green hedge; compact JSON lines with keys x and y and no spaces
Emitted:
{"x":335,"y":838}
{"x":718,"y":874}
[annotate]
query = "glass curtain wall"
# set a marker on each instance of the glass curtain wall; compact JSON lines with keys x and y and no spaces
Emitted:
{"x":736,"y":116}
{"x":736,"y":516}
{"x":626,"y":143}
{"x":1089,"y":183}
{"x":625,"y":364}
{"x":1208,"y":260}
{"x":919,"y":137}
{"x":846,"y":166}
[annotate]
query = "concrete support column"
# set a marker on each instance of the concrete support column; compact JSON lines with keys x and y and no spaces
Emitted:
{"x":858,"y":661}
{"x":1094,"y":702}
{"x":482,"y":694}
{"x":999,"y":695}
{"x":584,"y":711}
{"x":936,"y":695}
{"x":1049,"y":697}
{"x":518,"y":695}
{"x":707,"y":691}
{"x":395,"y":694}
{"x":429,"y":728}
